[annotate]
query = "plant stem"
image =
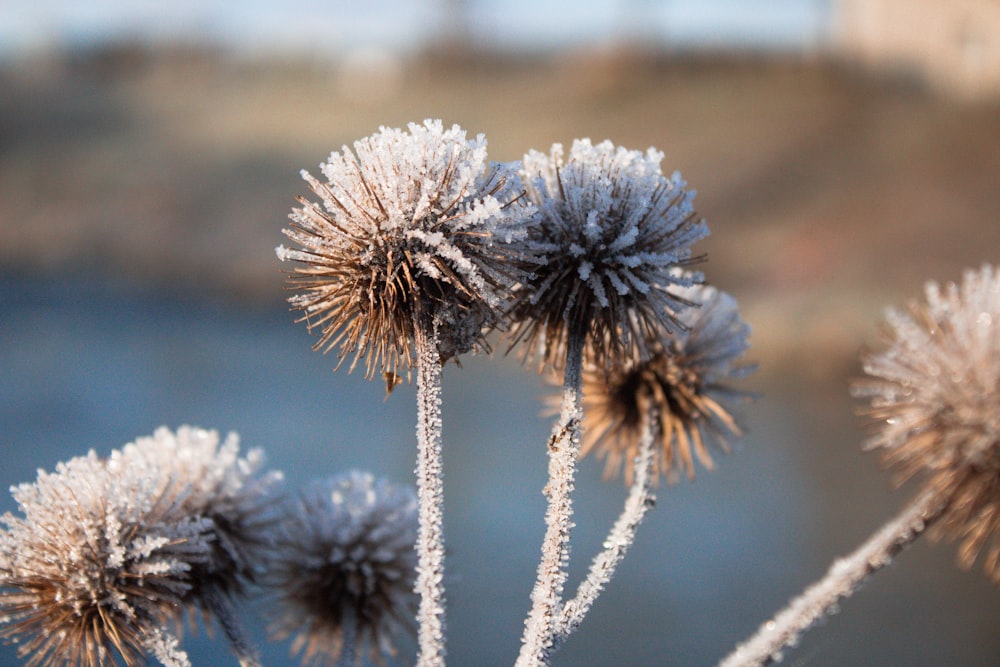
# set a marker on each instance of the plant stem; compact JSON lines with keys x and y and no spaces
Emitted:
{"x":430,"y":499}
{"x":349,"y":646}
{"x":542,"y":623}
{"x":640,"y":499}
{"x":842,"y":580}
{"x":231,"y":625}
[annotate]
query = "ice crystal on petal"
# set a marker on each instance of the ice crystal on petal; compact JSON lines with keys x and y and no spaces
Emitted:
{"x":934,"y":395}
{"x":684,"y":378}
{"x":347,"y":570}
{"x":612,"y":230}
{"x":411,"y":224}
{"x":97,"y":564}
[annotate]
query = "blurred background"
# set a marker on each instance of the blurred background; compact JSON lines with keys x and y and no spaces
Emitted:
{"x":844,"y":153}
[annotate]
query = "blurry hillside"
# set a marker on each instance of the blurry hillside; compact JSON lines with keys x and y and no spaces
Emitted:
{"x":828,"y":194}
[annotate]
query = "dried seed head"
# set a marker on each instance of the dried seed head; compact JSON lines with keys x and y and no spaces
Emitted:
{"x":412,"y":224}
{"x":213,"y":481}
{"x":346,"y":575}
{"x":683,"y":384}
{"x":611,"y":231}
{"x":97,"y":566}
{"x":934,"y":394}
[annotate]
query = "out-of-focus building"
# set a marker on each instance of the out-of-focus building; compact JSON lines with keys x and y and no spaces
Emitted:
{"x":952,"y":45}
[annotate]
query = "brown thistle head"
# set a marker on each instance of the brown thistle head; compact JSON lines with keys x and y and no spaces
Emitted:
{"x":414,"y":228}
{"x":934,"y":396}
{"x":682,"y":386}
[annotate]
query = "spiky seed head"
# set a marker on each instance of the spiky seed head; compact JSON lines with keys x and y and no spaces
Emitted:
{"x":97,"y":565}
{"x":345,"y":579}
{"x":611,"y":230}
{"x":934,"y":396}
{"x":213,"y":481}
{"x":412,"y":224}
{"x":683,"y":384}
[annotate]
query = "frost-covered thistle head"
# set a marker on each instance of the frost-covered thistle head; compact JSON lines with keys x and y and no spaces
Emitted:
{"x":684,"y":382}
{"x":346,"y":576}
{"x":213,"y":481}
{"x":97,"y":565}
{"x":611,"y":229}
{"x":413,"y":225}
{"x":934,"y":393}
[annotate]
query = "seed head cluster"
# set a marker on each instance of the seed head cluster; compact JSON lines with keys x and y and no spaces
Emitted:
{"x":610,"y":232}
{"x":347,"y":570}
{"x":413,"y":228}
{"x":112,"y":550}
{"x":682,"y":386}
{"x":97,"y":566}
{"x":934,"y":394}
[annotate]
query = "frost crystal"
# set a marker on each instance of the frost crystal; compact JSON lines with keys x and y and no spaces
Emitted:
{"x":413,"y":228}
{"x":214,"y":482}
{"x":347,"y":570}
{"x":97,"y":565}
{"x":935,"y":395}
{"x":683,"y":381}
{"x":612,"y":229}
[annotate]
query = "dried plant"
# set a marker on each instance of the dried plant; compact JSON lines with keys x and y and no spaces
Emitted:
{"x":611,"y":230}
{"x":213,"y":481}
{"x":685,"y":379}
{"x":347,"y":569}
{"x":611,"y":233}
{"x":934,"y":396}
{"x":417,"y":247}
{"x":411,"y":256}
{"x":98,"y":565}
{"x":413,"y":229}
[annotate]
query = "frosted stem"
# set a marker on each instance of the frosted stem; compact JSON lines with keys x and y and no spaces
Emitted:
{"x":542,"y":624}
{"x":430,"y":499}
{"x":232,"y":627}
{"x":842,"y":580}
{"x":640,"y":499}
{"x":349,"y":637}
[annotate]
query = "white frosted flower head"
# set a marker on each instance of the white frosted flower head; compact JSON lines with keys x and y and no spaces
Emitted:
{"x":213,"y":481}
{"x":412,"y":225}
{"x":685,"y":382}
{"x":97,"y":565}
{"x":934,"y":395}
{"x":348,"y":569}
{"x":612,"y":230}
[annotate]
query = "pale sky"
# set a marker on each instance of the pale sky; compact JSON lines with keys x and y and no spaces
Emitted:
{"x":336,"y":26}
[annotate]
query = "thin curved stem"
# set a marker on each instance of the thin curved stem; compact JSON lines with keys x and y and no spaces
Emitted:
{"x":231,"y":626}
{"x":541,"y":626}
{"x":349,"y":642}
{"x":430,"y":500}
{"x":621,"y":536}
{"x":842,"y":580}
